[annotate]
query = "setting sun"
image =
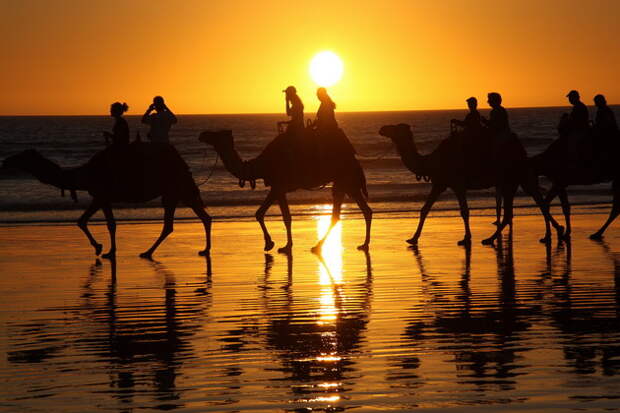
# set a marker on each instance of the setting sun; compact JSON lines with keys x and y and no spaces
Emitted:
{"x":326,"y":68}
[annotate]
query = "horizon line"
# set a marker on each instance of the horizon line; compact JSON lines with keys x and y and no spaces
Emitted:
{"x":277,"y":113}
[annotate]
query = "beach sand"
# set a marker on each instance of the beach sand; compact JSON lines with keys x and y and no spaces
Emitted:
{"x":513,"y":328}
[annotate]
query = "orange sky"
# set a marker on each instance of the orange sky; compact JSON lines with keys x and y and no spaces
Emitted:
{"x":77,"y":57}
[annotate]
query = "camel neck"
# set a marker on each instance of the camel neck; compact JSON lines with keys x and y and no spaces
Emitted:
{"x":246,"y":170}
{"x":410,"y":156}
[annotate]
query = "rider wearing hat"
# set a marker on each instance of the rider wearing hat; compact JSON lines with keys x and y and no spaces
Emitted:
{"x":294,"y":109}
{"x":579,"y":118}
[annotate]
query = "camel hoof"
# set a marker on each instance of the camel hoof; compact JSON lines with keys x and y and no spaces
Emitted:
{"x":363,"y":247}
{"x":464,"y":241}
{"x":545,"y":239}
{"x":317,"y":249}
{"x":147,"y":255}
{"x":596,"y":236}
{"x":286,"y":249}
{"x":412,"y":241}
{"x":98,"y":249}
{"x":204,"y":252}
{"x":269,"y":245}
{"x":109,"y":254}
{"x":488,"y":241}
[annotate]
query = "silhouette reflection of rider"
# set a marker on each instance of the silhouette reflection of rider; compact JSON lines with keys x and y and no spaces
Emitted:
{"x":120,"y":131}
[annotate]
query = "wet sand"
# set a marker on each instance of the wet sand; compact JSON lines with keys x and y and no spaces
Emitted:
{"x":513,"y":328}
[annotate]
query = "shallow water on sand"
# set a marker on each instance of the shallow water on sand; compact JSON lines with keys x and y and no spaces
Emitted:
{"x":517,"y":327}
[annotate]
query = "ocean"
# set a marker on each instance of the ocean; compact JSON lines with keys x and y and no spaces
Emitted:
{"x":72,"y":140}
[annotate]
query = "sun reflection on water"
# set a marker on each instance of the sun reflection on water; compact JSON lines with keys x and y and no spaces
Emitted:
{"x":330,"y":270}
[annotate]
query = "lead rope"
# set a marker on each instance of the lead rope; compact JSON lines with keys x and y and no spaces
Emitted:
{"x":204,"y":159}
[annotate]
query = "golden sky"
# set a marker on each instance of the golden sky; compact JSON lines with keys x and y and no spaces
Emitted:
{"x":76,"y":57}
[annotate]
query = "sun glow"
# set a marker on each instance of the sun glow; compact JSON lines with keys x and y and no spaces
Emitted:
{"x":326,"y":68}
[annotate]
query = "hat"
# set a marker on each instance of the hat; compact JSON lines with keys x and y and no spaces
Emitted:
{"x":290,"y":89}
{"x":573,"y":93}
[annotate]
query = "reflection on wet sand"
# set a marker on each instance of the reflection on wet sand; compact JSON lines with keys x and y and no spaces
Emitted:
{"x":434,"y":327}
{"x":317,"y":342}
{"x":138,"y":344}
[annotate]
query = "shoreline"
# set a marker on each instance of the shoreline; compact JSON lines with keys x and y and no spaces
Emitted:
{"x":349,"y":210}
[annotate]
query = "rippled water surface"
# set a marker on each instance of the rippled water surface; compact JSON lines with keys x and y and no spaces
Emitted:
{"x":516,"y":327}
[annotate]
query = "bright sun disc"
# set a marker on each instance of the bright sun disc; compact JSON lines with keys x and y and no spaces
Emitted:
{"x":326,"y":68}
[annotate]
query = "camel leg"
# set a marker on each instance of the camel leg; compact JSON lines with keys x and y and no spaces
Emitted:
{"x":615,"y":211}
{"x":286,"y":217}
{"x":83,"y":225}
{"x":111,"y":224}
{"x":508,"y":195}
{"x":338,"y":196}
{"x":565,"y":210}
{"x":363,"y":205}
{"x":199,"y":209}
{"x":260,"y":217}
{"x":498,"y":206}
{"x":553,"y":192}
{"x":169,"y":208}
{"x":462,"y":198}
{"x":531,"y":187}
{"x":432,"y":198}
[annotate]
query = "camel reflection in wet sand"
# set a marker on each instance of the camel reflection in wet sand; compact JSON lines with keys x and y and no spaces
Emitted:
{"x":488,"y":345}
{"x":317,"y":340}
{"x":140,"y":345}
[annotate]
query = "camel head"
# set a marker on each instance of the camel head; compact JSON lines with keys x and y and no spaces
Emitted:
{"x":221,"y":139}
{"x":23,"y":160}
{"x":397,"y":133}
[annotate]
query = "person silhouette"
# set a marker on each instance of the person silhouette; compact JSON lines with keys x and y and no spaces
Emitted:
{"x":498,"y":117}
{"x":120,"y":131}
{"x":294,"y":110}
{"x":160,"y":122}
{"x":472,"y":122}
{"x":325,"y":116}
{"x":499,"y":129}
{"x":605,"y":121}
{"x":579,"y":118}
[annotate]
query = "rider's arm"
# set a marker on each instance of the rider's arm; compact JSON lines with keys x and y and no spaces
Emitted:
{"x":146,"y":117}
{"x":173,"y":118}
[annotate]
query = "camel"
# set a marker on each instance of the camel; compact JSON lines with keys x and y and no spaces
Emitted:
{"x":282,"y":166}
{"x":446,"y":167}
{"x":135,"y":173}
{"x":554,"y":163}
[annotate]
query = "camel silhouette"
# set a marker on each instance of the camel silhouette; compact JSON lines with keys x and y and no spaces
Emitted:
{"x":554,"y":163}
{"x":447,"y":167}
{"x":135,"y":173}
{"x":285,"y":167}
